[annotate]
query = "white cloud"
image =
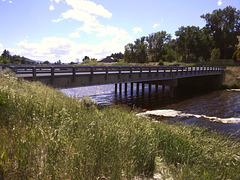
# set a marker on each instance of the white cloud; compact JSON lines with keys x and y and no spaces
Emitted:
{"x":53,"y":49}
{"x":137,"y":30}
{"x":1,"y":48}
{"x":89,"y":7}
{"x":219,"y":2}
{"x":57,"y":20}
{"x":156,"y":25}
{"x":74,"y":35}
{"x":51,"y":8}
{"x":8,"y":1}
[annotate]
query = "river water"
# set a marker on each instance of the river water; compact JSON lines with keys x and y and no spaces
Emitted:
{"x":219,"y":110}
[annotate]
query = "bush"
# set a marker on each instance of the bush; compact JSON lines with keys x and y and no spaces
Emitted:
{"x":215,"y":54}
{"x":88,"y":102}
{"x":160,"y":63}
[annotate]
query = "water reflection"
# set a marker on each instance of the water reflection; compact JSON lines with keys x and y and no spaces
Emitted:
{"x":106,"y":95}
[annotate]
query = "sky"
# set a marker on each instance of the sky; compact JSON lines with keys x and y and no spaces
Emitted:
{"x":69,"y":30}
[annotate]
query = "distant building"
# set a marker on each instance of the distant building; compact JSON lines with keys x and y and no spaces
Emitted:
{"x":108,"y":59}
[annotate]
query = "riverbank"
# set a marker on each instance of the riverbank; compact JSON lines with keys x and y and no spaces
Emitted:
{"x":230,"y":81}
{"x":45,"y":134}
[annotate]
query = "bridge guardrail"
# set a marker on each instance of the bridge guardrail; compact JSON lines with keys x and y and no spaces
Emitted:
{"x":173,"y":71}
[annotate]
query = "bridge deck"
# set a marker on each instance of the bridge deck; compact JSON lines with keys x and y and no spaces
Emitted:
{"x":75,"y":76}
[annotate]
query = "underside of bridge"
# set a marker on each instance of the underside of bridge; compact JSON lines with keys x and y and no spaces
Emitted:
{"x":175,"y":85}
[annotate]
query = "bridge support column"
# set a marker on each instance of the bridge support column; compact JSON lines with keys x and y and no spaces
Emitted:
{"x":143,"y":89}
{"x":171,"y":91}
{"x":116,"y":85}
{"x":156,"y":88}
{"x":149,"y":88}
{"x":137,"y":89}
{"x":131,"y":89}
{"x":125,"y":88}
{"x":163,"y":90}
{"x":120,"y":88}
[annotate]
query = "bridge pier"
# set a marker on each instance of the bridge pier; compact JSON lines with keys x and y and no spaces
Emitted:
{"x":156,"y":88}
{"x":143,"y":89}
{"x":171,"y":91}
{"x":120,"y":88}
{"x":116,"y":86}
{"x":125,"y":88}
{"x":131,"y":89}
{"x":163,"y":90}
{"x":149,"y":88}
{"x":137,"y":89}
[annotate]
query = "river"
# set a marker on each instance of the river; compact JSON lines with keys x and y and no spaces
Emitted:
{"x":219,"y":110}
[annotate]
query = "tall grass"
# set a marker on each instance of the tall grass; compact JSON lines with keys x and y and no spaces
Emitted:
{"x":47,"y":135}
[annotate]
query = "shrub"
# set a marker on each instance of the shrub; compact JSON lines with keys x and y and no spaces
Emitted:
{"x":215,"y":54}
{"x":88,"y":102}
{"x":160,"y":63}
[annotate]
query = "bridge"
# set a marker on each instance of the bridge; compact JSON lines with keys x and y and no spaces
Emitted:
{"x":65,"y":76}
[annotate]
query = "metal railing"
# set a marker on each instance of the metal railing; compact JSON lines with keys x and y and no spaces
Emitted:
{"x":63,"y":70}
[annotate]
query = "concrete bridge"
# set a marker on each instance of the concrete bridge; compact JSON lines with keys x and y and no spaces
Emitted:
{"x":62,"y":76}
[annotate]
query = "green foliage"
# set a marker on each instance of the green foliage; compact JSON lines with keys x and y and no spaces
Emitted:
{"x":236,"y":55}
{"x":147,"y":48}
{"x":215,"y":54}
{"x":88,"y":102}
{"x":224,"y":26}
{"x":7,"y":58}
{"x":192,"y":44}
{"x":160,"y":63}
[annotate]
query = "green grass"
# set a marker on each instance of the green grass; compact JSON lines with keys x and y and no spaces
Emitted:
{"x":47,"y":135}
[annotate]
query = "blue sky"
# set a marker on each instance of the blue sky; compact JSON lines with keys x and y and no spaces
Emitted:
{"x":68,"y":30}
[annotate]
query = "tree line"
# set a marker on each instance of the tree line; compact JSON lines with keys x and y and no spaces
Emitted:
{"x":7,"y":58}
{"x":217,"y":40}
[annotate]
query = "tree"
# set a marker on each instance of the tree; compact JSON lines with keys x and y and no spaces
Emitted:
{"x":224,"y":26}
{"x":215,"y":54}
{"x":156,"y":45}
{"x":86,"y":58}
{"x":46,"y":62}
{"x":145,"y":49}
{"x":117,"y":55}
{"x":6,"y":57}
{"x":193,"y":43}
{"x":129,"y":53}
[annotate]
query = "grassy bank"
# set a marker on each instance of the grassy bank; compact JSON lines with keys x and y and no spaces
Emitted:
{"x":47,"y":135}
{"x":231,"y":74}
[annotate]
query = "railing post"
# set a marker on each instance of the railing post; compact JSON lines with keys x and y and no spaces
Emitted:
{"x":106,"y":73}
{"x":157,"y":72}
{"x":130,"y":73}
{"x":119,"y":72}
{"x":149,"y":72}
{"x":176,"y":71}
{"x":140,"y":72}
{"x":91,"y":77}
{"x":73,"y":73}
